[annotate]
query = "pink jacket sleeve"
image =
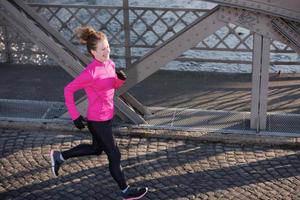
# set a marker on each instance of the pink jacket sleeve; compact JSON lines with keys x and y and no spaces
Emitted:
{"x":80,"y":82}
{"x":118,"y":82}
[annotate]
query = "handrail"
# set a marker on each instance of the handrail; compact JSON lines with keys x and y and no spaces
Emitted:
{"x":114,"y":7}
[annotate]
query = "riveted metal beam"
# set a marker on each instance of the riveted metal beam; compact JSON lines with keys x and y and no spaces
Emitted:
{"x":255,"y":91}
{"x":288,"y":9}
{"x":265,"y":65}
{"x":289,"y":30}
{"x":260,"y":23}
{"x":260,"y":79}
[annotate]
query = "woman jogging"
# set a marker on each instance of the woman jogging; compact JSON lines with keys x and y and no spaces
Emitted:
{"x":99,"y":80}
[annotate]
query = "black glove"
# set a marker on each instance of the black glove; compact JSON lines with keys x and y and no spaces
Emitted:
{"x":79,"y":122}
{"x":121,"y":75}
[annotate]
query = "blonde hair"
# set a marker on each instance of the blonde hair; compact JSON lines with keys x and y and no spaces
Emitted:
{"x":87,"y":35}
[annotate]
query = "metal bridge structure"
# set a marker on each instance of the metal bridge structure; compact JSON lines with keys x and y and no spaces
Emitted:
{"x":257,"y":26}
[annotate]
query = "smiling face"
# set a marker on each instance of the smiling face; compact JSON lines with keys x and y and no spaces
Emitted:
{"x":102,"y":51}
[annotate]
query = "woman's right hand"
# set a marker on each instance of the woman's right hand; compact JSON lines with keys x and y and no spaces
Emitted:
{"x":79,"y":122}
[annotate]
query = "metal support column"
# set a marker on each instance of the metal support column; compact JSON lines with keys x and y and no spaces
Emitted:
{"x":256,"y":67}
{"x":260,"y":78}
{"x":265,"y":63}
{"x":127,"y":33}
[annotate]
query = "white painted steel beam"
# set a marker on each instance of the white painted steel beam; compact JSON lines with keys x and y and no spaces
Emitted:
{"x":171,"y":49}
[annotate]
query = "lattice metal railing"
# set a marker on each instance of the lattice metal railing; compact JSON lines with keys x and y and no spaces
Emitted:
{"x":151,"y":27}
{"x":147,"y":28}
{"x":65,"y":19}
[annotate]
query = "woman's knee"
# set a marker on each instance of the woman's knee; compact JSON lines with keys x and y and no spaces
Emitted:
{"x":114,"y":156}
{"x":97,"y":151}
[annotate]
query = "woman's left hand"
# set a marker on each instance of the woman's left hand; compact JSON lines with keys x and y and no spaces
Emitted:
{"x":121,"y":75}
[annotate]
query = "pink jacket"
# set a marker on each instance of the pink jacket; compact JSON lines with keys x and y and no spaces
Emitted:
{"x":99,"y":80}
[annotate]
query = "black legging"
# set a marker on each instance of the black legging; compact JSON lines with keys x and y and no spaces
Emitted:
{"x":103,"y":140}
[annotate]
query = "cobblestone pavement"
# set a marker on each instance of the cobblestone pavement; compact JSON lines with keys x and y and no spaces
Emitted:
{"x":172,"y":169}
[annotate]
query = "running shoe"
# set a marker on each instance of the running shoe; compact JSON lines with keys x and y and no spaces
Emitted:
{"x":55,"y":162}
{"x":133,"y":193}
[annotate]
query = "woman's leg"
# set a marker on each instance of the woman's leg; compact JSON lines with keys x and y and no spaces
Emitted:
{"x":84,"y":149}
{"x":106,"y":139}
{"x":57,"y":158}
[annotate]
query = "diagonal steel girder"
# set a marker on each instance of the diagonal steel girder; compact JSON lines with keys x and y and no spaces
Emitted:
{"x":289,"y":30}
{"x":288,"y":9}
{"x":172,"y":48}
{"x":37,"y":30}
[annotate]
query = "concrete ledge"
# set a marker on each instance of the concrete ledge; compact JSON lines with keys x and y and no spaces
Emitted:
{"x":206,"y":136}
{"x":159,"y":132}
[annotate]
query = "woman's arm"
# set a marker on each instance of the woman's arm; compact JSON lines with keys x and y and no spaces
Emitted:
{"x":120,"y":78}
{"x":80,"y":82}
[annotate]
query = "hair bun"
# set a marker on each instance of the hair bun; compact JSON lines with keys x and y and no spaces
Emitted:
{"x":84,"y":32}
